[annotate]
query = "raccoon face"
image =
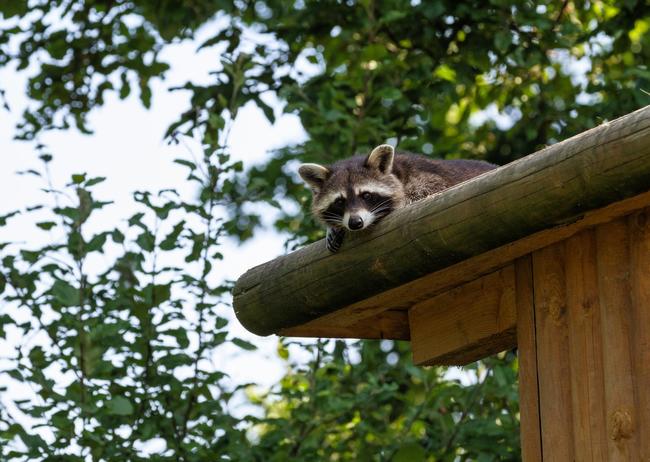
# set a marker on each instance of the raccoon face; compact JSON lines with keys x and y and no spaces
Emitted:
{"x":356,"y":192}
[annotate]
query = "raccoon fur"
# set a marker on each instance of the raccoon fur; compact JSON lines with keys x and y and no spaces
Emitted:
{"x":355,"y":193}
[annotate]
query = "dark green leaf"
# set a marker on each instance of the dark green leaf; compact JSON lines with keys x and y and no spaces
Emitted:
{"x":64,"y":293}
{"x":119,"y":405}
{"x":244,"y":344}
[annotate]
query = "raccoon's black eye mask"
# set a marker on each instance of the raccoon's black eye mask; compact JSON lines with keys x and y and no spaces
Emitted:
{"x":374,"y":200}
{"x":336,"y":208}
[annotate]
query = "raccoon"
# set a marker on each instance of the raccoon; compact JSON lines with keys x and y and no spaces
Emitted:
{"x":355,"y":193}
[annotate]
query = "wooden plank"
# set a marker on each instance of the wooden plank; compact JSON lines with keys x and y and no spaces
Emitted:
{"x":531,"y":442}
{"x":613,"y":256}
{"x":553,"y":365}
{"x":585,"y":348}
{"x":639,"y":224}
{"x":467,"y":323}
{"x":554,"y":186}
{"x":404,"y":297}
{"x":391,"y":324}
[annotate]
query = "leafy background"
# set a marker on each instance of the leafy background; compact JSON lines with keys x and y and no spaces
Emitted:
{"x":128,"y":315}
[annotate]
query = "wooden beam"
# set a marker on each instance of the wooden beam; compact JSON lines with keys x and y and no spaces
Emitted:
{"x":585,"y":348}
{"x":360,"y":316}
{"x":613,"y":265}
{"x":529,"y":429}
{"x":553,"y":365}
{"x":467,"y":323}
{"x":639,"y":226}
{"x":547,"y":189}
{"x":389,"y":324}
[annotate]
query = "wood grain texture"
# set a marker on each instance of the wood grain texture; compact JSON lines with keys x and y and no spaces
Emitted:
{"x":553,"y":365}
{"x":530,"y":430}
{"x":467,"y":323}
{"x":389,"y":324}
{"x":552,"y":187}
{"x":585,"y":348}
{"x":613,"y":264}
{"x":639,"y":226}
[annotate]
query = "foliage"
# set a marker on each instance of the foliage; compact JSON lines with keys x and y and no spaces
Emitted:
{"x":431,"y":76}
{"x":117,"y":350}
{"x":382,"y":407}
{"x":357,"y":73}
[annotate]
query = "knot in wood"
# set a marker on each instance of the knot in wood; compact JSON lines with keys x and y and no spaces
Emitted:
{"x":621,"y":425}
{"x":378,"y":268}
{"x":556,"y":309}
{"x":588,"y":306}
{"x":555,"y":305}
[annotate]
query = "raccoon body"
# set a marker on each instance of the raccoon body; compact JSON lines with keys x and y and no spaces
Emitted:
{"x":355,"y":193}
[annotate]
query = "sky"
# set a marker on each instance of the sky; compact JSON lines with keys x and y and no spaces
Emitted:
{"x":127,"y":148}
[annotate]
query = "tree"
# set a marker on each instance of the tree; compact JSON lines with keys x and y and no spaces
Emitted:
{"x":427,"y":75}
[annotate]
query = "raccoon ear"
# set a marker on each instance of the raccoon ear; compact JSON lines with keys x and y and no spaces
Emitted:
{"x":314,"y":175}
{"x":381,"y":158}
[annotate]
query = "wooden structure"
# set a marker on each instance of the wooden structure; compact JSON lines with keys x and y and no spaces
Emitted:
{"x":550,"y":253}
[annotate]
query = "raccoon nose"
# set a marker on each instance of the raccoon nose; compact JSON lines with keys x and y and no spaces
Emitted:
{"x":355,"y":222}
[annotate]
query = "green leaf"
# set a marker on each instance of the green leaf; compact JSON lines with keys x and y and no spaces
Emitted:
{"x":4,"y":218}
{"x":94,"y":181}
{"x":64,"y":293}
{"x":30,"y":256}
{"x":117,"y":236}
{"x":125,"y":87}
{"x":46,"y":225}
{"x":145,"y":93}
{"x":158,"y":293}
{"x":96,"y":243}
{"x":78,"y":178}
{"x":119,"y":405}
{"x":169,"y":242}
{"x":394,"y":15}
{"x":220,"y":323}
{"x":410,"y":452}
{"x":186,"y":163}
{"x":180,"y":335}
{"x":30,"y":171}
{"x":197,"y":246}
{"x":146,"y":241}
{"x":244,"y":344}
{"x":502,"y":40}
{"x":446,"y":73}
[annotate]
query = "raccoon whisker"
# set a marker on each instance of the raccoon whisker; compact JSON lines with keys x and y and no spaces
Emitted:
{"x":380,"y":205}
{"x":332,"y":216}
{"x":382,"y":211}
{"x":385,"y":201}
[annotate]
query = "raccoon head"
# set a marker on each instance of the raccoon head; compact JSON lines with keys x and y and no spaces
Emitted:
{"x":357,"y":192}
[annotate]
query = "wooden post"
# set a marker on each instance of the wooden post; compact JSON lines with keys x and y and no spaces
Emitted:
{"x":584,"y":341}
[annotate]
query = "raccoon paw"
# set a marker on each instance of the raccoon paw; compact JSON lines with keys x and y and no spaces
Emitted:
{"x":334,"y":239}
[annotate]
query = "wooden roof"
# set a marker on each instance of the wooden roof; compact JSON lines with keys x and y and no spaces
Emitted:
{"x":452,"y":238}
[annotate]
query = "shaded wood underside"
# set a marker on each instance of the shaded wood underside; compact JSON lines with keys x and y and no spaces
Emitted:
{"x":451,"y":238}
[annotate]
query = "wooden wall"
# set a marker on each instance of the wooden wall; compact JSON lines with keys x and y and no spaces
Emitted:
{"x":583,"y":326}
